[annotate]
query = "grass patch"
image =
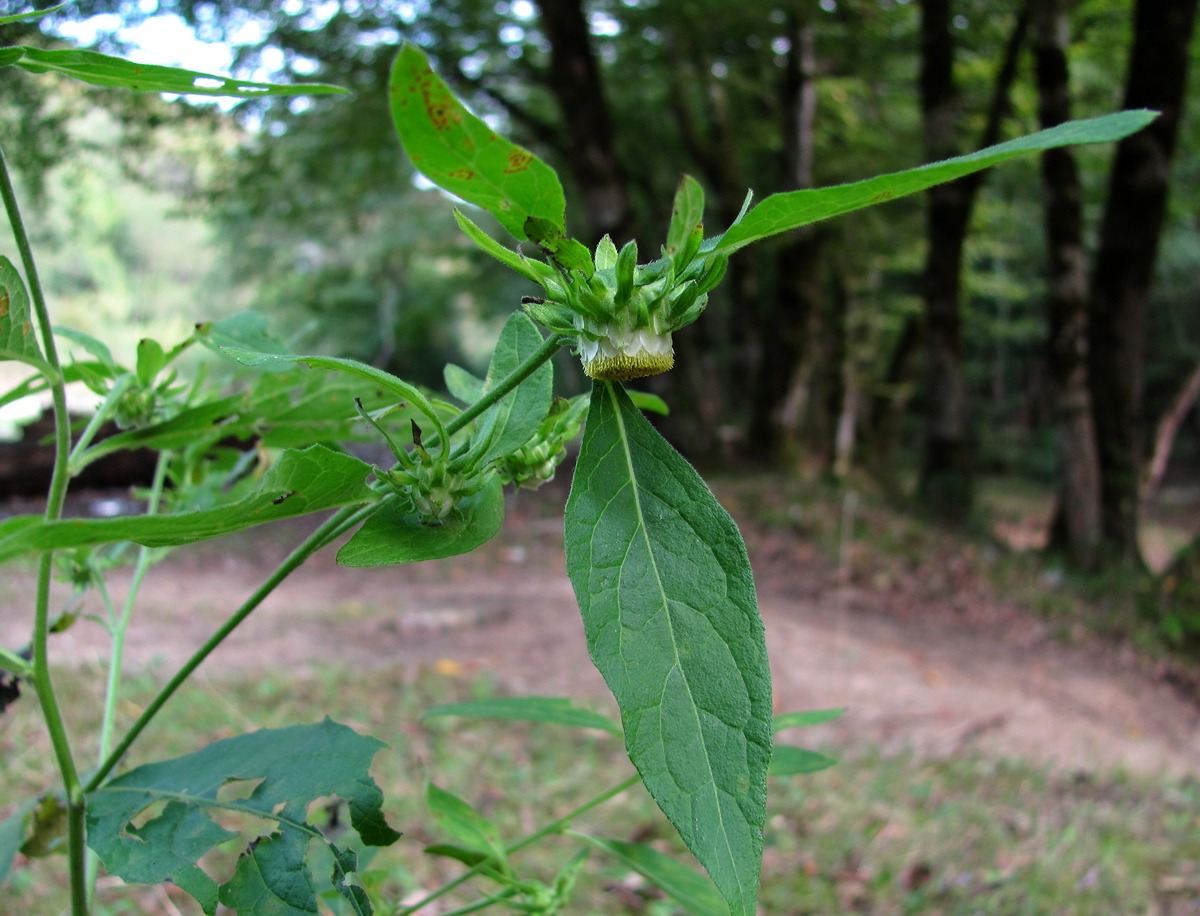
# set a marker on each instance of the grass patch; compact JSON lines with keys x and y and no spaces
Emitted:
{"x":873,"y":834}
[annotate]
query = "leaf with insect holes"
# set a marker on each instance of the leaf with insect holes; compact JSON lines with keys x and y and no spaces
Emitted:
{"x":789,"y":210}
{"x":17,"y":340}
{"x":293,"y":767}
{"x":104,"y":70}
{"x":298,"y":483}
{"x":671,"y":618}
{"x":461,"y":154}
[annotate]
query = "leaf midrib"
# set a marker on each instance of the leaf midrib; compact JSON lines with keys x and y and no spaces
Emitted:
{"x":641,"y":519}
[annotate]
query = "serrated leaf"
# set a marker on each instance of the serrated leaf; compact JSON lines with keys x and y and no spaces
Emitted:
{"x":17,"y":340}
{"x":691,"y":890}
{"x":806,"y":718}
{"x":393,"y":536}
{"x":298,"y":483}
{"x":460,"y":153}
{"x":295,"y":766}
{"x":104,"y":70}
{"x":510,"y":422}
{"x":796,"y":761}
{"x":782,"y":212}
{"x":664,"y":585}
{"x":544,"y":710}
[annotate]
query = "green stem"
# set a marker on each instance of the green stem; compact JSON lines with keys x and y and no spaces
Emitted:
{"x":55,"y":497}
{"x":337,"y":524}
{"x":98,"y":419}
{"x":543,"y":353}
{"x":554,"y":826}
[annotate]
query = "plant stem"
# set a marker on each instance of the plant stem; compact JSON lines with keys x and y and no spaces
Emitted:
{"x":342,"y":521}
{"x":55,"y":498}
{"x":553,"y":827}
{"x":120,"y":386}
{"x":543,"y":353}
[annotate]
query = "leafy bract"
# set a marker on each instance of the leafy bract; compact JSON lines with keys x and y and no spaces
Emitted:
{"x":544,"y":710}
{"x":511,"y":421}
{"x":789,"y":210}
{"x":460,"y":153}
{"x":105,"y":70}
{"x":671,"y":618}
{"x":393,"y":535}
{"x":688,"y":888}
{"x":294,"y":766}
{"x":298,"y":483}
{"x":17,"y":340}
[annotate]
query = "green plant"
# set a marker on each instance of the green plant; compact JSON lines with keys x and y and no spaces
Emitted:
{"x":659,"y":568}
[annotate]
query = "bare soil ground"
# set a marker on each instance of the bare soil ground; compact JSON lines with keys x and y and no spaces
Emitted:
{"x":921,"y":650}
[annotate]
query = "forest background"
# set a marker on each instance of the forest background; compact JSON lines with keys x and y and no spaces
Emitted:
{"x":1036,"y":323}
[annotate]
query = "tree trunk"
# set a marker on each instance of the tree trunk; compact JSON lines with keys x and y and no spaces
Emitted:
{"x":790,"y":324}
{"x":1120,"y":283}
{"x":1164,"y":435}
{"x":576,"y":84}
{"x":945,"y":482}
{"x":1077,"y":528}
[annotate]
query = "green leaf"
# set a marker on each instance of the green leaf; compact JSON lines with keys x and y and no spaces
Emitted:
{"x":686,"y":887}
{"x":645,"y":401}
{"x":95,"y":347}
{"x":393,"y":536}
{"x":9,"y":56}
{"x":105,"y":70}
{"x":687,"y":217}
{"x":664,"y":585}
{"x":565,"y":251}
{"x":271,"y":879}
{"x":530,"y":270}
{"x":464,"y":824}
{"x":29,"y":17}
{"x":546,"y":710}
{"x":460,"y":153}
{"x":345,"y":877}
{"x":17,"y":340}
{"x":150,"y":360}
{"x":298,"y":483}
{"x":510,"y":422}
{"x":295,"y":766}
{"x":806,"y":718}
{"x":12,"y":836}
{"x":795,"y":761}
{"x":462,"y":384}
{"x":781,"y":212}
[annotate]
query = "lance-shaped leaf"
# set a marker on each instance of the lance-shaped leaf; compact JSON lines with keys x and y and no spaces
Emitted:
{"x":781,"y":212}
{"x":299,"y":483}
{"x":664,"y":584}
{"x":511,"y":421}
{"x":460,"y":153}
{"x":293,"y":767}
{"x":544,"y":710}
{"x":392,"y":535}
{"x":105,"y":70}
{"x":682,"y":884}
{"x":17,"y":340}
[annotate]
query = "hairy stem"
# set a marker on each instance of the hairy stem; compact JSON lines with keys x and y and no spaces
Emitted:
{"x":555,"y":826}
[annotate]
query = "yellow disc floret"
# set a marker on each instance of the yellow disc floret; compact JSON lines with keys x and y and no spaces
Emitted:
{"x":619,"y":354}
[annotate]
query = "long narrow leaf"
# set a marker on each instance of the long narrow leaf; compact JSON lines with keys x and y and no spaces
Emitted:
{"x":781,"y":212}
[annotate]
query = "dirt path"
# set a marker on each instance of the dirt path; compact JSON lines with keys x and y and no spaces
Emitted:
{"x":928,"y":659}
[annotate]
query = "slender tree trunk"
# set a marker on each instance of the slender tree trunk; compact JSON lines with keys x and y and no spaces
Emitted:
{"x":577,"y":86}
{"x":790,"y":323}
{"x":946,"y":477}
{"x":1164,"y":435}
{"x":1129,"y":236}
{"x":1076,"y":530}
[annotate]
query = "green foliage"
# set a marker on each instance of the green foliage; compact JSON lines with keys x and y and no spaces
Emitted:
{"x":17,"y":340}
{"x":292,"y":767}
{"x":671,"y":618}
